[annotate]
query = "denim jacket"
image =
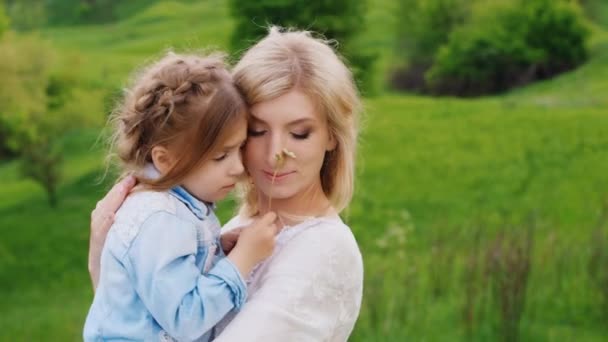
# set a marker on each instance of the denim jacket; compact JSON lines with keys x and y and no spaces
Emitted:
{"x":163,"y":273}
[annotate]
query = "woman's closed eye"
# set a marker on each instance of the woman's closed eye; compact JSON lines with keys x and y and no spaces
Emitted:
{"x":260,"y":132}
{"x":255,"y":132}
{"x":300,"y":135}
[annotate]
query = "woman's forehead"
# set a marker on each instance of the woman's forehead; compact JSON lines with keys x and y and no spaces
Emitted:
{"x":294,"y":107}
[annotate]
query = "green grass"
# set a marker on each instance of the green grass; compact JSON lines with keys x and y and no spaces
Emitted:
{"x":453,"y":165}
{"x":432,"y":174}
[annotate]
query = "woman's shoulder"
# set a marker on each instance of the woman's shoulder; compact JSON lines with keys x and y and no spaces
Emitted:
{"x":320,"y":240}
{"x":331,"y":232}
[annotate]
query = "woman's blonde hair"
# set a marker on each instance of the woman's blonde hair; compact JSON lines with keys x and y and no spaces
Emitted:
{"x":185,"y":103}
{"x":287,"y":60}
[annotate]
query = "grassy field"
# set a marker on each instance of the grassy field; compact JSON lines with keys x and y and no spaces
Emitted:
{"x":452,"y":196}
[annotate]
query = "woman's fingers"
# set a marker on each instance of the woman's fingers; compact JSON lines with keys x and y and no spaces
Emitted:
{"x":102,"y":216}
{"x":113,"y":200}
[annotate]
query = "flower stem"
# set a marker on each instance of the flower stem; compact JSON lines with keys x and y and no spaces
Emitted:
{"x":274,"y":175}
{"x":280,"y":158}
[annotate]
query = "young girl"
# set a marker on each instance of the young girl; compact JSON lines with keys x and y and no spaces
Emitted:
{"x":164,"y":275}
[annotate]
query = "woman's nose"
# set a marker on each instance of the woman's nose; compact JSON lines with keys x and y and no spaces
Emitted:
{"x":275,"y":147}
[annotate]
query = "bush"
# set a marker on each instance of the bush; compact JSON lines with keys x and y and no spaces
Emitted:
{"x":26,"y":14}
{"x":340,"y":20}
{"x":424,"y":26}
{"x":32,"y":14}
{"x":506,"y":44}
{"x":564,"y":47}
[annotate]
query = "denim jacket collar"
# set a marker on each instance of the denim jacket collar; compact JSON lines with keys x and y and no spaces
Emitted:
{"x":199,"y":208}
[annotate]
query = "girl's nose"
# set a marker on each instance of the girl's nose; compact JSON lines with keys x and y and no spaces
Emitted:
{"x":237,"y":166}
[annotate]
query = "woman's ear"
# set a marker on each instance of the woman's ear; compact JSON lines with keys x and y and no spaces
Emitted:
{"x":332,"y":142}
{"x":162,"y":159}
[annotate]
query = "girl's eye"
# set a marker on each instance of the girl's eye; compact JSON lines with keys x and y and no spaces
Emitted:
{"x":255,"y":133}
{"x":300,"y":136}
{"x":220,"y":158}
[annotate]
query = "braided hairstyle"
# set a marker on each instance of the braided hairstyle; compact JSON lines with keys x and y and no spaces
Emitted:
{"x":185,"y":103}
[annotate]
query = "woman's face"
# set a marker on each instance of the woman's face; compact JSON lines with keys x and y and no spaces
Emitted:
{"x":290,"y":122}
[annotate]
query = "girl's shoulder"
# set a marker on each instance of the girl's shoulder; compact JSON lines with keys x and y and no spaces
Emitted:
{"x":137,"y":208}
{"x":146,"y":203}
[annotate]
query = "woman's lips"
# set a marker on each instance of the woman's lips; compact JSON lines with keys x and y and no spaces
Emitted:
{"x":278,"y":177}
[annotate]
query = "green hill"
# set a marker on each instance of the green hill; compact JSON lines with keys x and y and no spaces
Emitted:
{"x":433,"y":175}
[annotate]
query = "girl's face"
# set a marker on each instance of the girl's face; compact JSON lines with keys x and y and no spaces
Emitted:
{"x":290,"y":122}
{"x":215,"y":178}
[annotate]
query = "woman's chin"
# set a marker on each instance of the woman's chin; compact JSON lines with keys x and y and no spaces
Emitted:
{"x":278,"y":194}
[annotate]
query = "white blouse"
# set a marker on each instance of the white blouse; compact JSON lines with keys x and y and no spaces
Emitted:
{"x":310,"y":289}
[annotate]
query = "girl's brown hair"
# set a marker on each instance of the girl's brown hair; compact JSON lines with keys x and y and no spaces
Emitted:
{"x":185,"y":103}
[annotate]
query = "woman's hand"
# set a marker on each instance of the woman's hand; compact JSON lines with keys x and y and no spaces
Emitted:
{"x":102,"y":218}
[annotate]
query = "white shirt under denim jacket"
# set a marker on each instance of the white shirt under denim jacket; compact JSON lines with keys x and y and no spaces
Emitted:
{"x":163,"y":273}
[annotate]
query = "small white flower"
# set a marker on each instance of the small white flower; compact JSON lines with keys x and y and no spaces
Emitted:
{"x":289,"y":153}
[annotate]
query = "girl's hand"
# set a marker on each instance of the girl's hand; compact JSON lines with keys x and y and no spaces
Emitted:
{"x":255,"y":243}
{"x":102,"y":218}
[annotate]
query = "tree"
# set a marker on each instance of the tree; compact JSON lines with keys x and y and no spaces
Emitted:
{"x":31,"y":123}
{"x":341,"y":20}
{"x":41,"y":162}
{"x":26,"y":14}
{"x":424,"y":26}
{"x":24,"y":72}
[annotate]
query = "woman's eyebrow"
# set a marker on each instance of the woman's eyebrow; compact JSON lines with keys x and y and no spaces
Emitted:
{"x":255,"y":118}
{"x":300,"y":121}
{"x":291,"y":123}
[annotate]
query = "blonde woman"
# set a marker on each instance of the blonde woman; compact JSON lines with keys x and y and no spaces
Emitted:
{"x":300,"y":158}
